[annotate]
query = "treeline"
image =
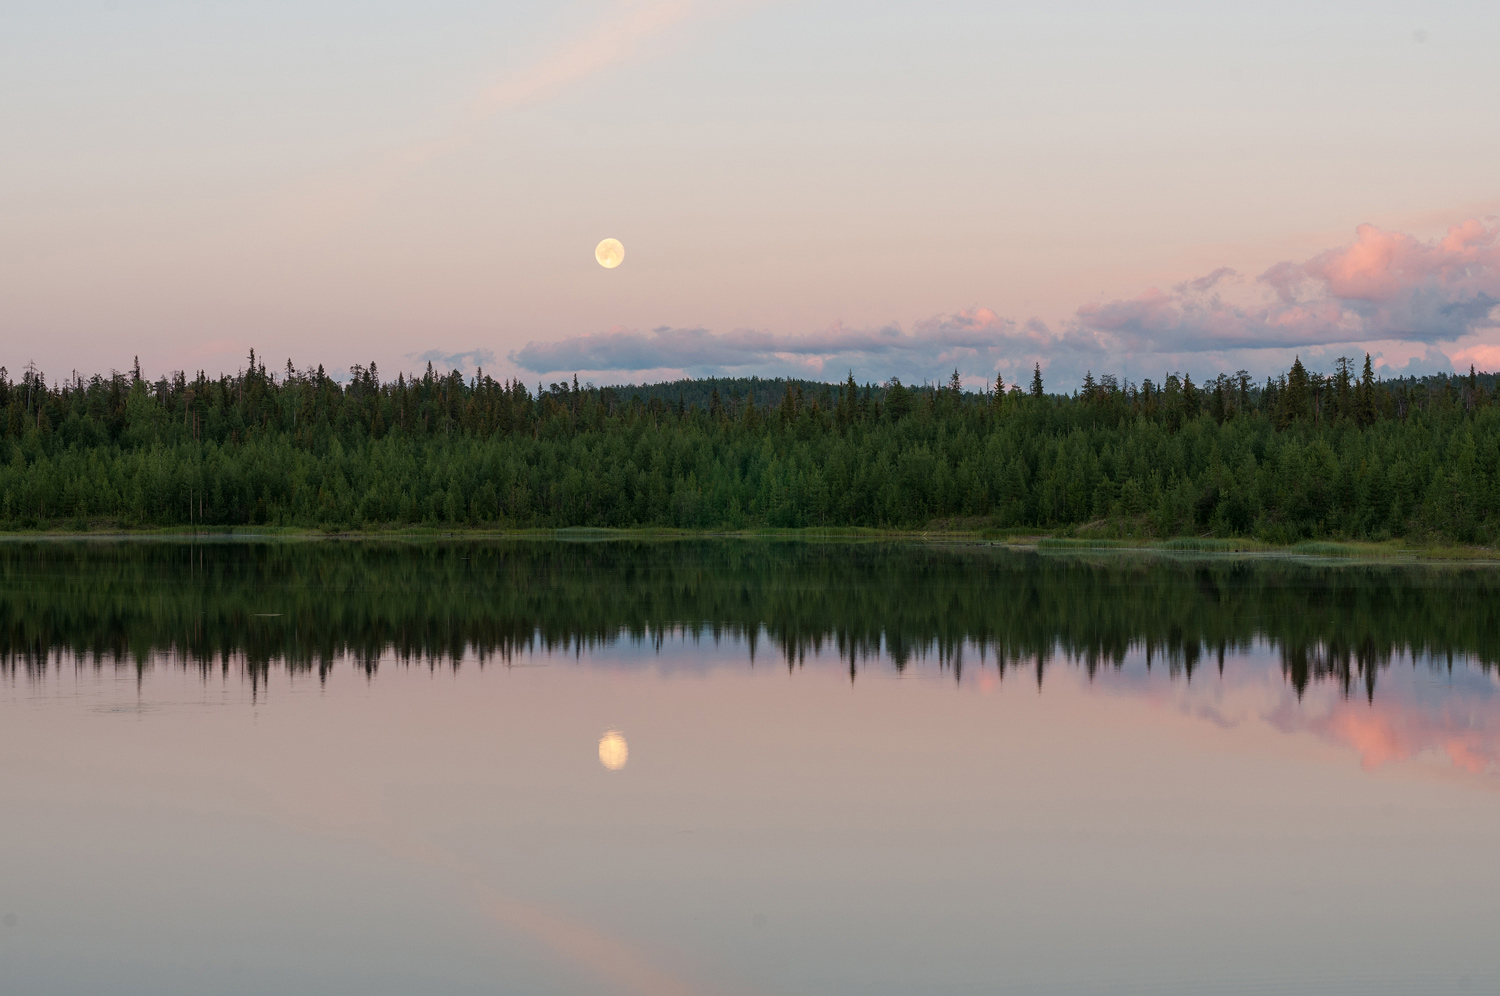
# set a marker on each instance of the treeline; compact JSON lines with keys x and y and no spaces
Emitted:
{"x":251,"y":605}
{"x":1302,"y":455}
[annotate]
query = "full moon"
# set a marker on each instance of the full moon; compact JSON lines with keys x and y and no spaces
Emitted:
{"x":609,"y":253}
{"x":613,"y":751}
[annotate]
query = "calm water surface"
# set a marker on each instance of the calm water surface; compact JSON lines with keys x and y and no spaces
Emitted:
{"x":328,"y":768}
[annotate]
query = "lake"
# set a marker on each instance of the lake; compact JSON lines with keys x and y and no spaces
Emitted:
{"x":742,"y":767}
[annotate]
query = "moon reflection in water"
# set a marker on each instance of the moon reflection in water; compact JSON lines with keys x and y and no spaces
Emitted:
{"x":613,"y":751}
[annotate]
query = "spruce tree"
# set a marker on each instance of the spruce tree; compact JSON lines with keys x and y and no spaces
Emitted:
{"x":1364,"y":395}
{"x":1295,"y":402}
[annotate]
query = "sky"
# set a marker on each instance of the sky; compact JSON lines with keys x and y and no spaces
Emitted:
{"x":802,"y":189}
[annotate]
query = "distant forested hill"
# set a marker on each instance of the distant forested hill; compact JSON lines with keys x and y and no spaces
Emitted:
{"x":1298,"y":456}
{"x":701,"y":392}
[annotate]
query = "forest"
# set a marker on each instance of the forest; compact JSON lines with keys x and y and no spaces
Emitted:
{"x":1303,"y":455}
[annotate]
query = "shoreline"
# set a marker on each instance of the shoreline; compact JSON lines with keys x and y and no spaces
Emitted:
{"x":1021,"y":540}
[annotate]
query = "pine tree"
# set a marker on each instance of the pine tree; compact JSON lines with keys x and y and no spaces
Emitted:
{"x":1364,"y":395}
{"x":1343,"y":398}
{"x":1296,"y":399}
{"x":1036,"y":381}
{"x":849,"y":406}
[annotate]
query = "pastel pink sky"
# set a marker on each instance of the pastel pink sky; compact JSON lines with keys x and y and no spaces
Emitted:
{"x":801,"y":189}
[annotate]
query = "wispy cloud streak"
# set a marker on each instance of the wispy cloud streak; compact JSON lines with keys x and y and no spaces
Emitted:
{"x":609,"y":43}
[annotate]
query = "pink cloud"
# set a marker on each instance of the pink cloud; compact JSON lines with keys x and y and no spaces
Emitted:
{"x":1382,"y":286}
{"x":1484,"y":356}
{"x":1382,"y":267}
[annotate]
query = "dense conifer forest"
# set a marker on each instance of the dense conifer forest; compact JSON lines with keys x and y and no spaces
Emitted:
{"x":1302,"y":455}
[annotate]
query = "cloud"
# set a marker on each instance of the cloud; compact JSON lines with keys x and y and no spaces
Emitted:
{"x":1206,"y":283}
{"x":1430,"y":360}
{"x":471,"y":360}
{"x":1387,"y":293}
{"x":1484,"y":356}
{"x":971,"y":341}
{"x":1382,"y":286}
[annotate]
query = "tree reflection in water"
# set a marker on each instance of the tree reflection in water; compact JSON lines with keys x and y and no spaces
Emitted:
{"x":252,"y":605}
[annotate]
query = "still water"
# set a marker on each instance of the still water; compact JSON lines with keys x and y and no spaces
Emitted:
{"x":742,"y":768}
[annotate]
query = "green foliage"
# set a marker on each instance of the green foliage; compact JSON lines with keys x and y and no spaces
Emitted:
{"x":1303,"y":457}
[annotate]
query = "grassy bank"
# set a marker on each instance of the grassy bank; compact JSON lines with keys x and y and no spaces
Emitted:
{"x":1058,"y":541}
